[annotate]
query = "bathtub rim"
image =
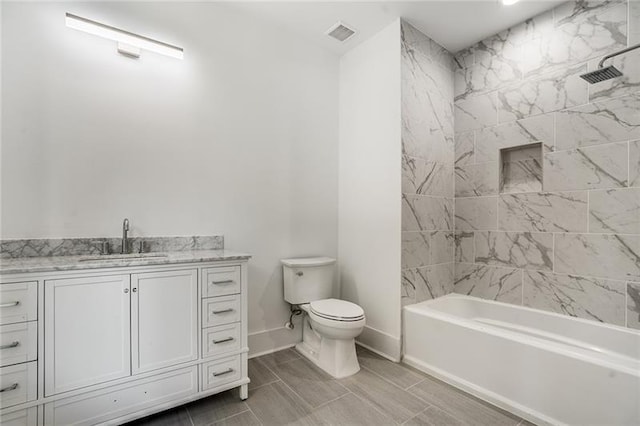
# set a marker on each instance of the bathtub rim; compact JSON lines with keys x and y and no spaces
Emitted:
{"x":419,"y":309}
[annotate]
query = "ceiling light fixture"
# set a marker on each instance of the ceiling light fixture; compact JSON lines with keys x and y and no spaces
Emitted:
{"x":509,"y":2}
{"x":129,"y":44}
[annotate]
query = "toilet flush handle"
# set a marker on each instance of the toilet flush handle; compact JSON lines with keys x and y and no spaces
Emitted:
{"x":299,"y":273}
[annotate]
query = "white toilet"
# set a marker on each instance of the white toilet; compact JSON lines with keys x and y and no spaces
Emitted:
{"x":329,"y":325}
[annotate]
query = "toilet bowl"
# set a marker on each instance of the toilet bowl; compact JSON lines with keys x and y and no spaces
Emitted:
{"x":330,"y":325}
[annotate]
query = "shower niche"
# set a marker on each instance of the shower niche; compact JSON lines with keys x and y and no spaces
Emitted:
{"x":521,"y":169}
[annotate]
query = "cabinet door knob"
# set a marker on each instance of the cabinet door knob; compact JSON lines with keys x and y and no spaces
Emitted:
{"x":135,"y":290}
{"x":126,"y":290}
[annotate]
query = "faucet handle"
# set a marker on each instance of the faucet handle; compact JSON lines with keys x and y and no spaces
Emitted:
{"x":141,"y":246}
{"x":105,"y":247}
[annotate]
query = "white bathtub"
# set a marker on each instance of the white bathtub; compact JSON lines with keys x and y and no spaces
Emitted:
{"x":545,"y":367}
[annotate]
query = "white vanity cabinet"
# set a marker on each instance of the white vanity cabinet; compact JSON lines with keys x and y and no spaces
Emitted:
{"x":105,"y":346}
{"x":87,"y":333}
{"x":164,"y":319}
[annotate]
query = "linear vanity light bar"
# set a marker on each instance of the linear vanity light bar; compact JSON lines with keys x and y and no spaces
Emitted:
{"x":129,"y":43}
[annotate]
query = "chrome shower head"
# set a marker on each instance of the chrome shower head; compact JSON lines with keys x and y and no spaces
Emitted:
{"x":601,"y":74}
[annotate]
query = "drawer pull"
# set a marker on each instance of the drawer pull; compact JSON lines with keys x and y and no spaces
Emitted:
{"x":12,"y":387}
{"x":224,"y":311}
{"x":228,"y":339}
{"x":222,"y":373}
{"x":10,"y":304}
{"x":10,"y":345}
{"x":223,"y":282}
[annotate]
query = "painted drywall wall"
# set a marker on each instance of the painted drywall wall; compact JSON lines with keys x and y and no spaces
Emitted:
{"x":566,"y":237}
{"x":369,"y":185}
{"x":240,"y":138}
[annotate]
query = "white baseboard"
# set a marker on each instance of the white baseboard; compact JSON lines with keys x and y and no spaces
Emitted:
{"x":268,"y":341}
{"x":381,"y":343}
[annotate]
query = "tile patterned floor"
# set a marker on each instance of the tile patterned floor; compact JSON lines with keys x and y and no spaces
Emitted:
{"x":286,"y":389}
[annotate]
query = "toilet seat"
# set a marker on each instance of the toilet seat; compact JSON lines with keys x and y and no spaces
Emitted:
{"x":336,"y":310}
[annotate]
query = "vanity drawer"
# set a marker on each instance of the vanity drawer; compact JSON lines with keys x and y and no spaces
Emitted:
{"x":221,"y":281}
{"x":220,"y":372}
{"x":220,"y":310}
{"x":18,"y":302}
{"x":28,"y":417}
{"x":18,"y":343}
{"x":220,"y":340}
{"x":106,"y":405}
{"x":18,"y":384}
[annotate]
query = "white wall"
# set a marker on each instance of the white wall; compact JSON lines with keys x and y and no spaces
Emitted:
{"x":240,"y":138}
{"x":369,"y":185}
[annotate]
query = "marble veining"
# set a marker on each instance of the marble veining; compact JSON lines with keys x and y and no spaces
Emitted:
{"x":464,"y":250}
{"x":615,"y":211}
{"x":633,"y":305}
{"x":598,"y":255}
{"x":20,"y":248}
{"x":627,"y":84}
{"x":72,"y":263}
{"x":426,"y":178}
{"x":521,"y":176}
{"x":552,"y":92}
{"x":525,"y":250}
{"x":426,"y":213}
{"x":597,"y":167}
{"x":477,"y":213}
{"x":591,"y":298}
{"x":488,"y":282}
{"x":427,"y":283}
{"x":464,"y":148}
{"x":416,"y":249}
{"x":634,"y":22}
{"x":543,"y":212}
{"x":476,"y":112}
{"x":476,"y":179}
{"x":490,"y":140}
{"x":606,"y":121}
{"x":604,"y":30}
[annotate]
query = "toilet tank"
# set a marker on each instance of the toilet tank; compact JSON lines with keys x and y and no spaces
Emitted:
{"x":307,"y":279}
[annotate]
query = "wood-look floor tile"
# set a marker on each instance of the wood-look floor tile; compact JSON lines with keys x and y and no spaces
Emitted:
{"x":461,"y":405}
{"x":259,"y":374}
{"x":434,"y":416}
{"x":276,"y":404}
{"x":398,"y":374}
{"x":311,"y":383}
{"x":285,"y":355}
{"x":349,"y":410}
{"x":246,"y":418}
{"x":216,"y":407}
{"x":398,"y":404}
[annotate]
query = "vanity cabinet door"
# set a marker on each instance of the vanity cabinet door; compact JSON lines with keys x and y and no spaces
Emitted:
{"x":86,"y":332}
{"x":164,"y":319}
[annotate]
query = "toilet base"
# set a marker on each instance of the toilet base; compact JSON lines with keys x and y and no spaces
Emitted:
{"x":336,"y":357}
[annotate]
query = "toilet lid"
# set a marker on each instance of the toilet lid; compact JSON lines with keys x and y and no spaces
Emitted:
{"x":337,"y":309}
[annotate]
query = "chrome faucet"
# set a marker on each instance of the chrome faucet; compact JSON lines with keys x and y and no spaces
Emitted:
{"x":125,"y":238}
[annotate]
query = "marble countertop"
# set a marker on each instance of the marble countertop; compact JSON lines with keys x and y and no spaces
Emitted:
{"x":71,"y":263}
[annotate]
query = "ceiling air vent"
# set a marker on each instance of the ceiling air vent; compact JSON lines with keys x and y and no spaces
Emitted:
{"x":340,"y":32}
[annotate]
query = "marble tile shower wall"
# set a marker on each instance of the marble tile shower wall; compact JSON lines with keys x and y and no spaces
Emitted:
{"x":573,"y":248}
{"x":427,"y":167}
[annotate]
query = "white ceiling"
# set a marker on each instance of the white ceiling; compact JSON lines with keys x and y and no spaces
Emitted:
{"x":452,"y":23}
